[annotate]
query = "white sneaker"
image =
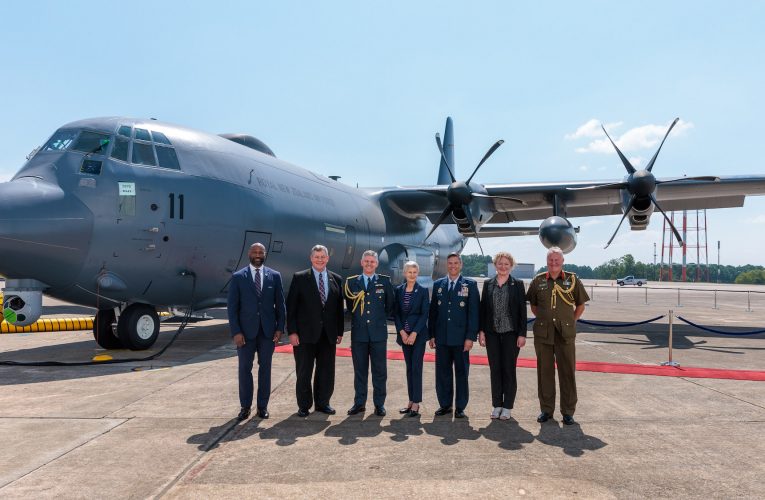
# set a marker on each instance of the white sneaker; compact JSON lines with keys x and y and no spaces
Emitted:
{"x":496,"y":412}
{"x":505,"y":414}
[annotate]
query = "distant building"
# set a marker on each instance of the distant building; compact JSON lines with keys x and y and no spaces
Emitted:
{"x":521,"y":271}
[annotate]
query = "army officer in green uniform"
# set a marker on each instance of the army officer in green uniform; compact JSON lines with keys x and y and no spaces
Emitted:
{"x":557,"y":300}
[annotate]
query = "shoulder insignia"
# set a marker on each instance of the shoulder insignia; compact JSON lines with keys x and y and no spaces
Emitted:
{"x":353,"y":277}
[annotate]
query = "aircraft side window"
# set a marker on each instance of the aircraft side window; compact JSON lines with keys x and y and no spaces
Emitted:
{"x":60,"y":141}
{"x":125,"y":131}
{"x":160,"y":138}
{"x":120,"y":149}
{"x":143,"y":154}
{"x":91,"y":142}
{"x":167,"y":157}
{"x":142,"y":134}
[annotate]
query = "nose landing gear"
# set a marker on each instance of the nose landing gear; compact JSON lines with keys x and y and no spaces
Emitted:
{"x":137,"y":328}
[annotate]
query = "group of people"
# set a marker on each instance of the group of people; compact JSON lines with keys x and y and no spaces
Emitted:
{"x":450,"y":320}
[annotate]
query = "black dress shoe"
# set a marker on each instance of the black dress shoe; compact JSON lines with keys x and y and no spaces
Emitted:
{"x":543,"y":417}
{"x":327,"y":409}
{"x":263,"y":413}
{"x":460,"y":414}
{"x":443,"y":411}
{"x":355,"y":409}
{"x":380,"y":411}
{"x":243,"y":413}
{"x":405,"y":410}
{"x":569,"y":419}
{"x":302,"y":412}
{"x":413,"y":413}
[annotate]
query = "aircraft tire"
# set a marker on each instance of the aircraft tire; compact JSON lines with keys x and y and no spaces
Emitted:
{"x":138,"y":327}
{"x":102,"y":330}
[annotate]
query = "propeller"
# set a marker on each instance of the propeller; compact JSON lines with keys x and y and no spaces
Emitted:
{"x":459,"y":194}
{"x":641,"y":184}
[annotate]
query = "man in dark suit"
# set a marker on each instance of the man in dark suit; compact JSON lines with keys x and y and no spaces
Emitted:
{"x":453,"y":327}
{"x":315,"y":325}
{"x":370,"y":299}
{"x":256,"y":312}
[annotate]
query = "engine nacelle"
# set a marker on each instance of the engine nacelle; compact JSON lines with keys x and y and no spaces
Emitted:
{"x":557,"y":231}
{"x":22,"y":301}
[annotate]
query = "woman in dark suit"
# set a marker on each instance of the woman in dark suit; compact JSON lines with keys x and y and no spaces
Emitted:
{"x":410,"y":315}
{"x":503,"y":332}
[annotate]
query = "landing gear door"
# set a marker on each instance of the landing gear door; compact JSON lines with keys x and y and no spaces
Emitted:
{"x":250,"y":237}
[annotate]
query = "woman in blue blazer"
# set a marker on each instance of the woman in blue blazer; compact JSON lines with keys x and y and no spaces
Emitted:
{"x":411,"y":315}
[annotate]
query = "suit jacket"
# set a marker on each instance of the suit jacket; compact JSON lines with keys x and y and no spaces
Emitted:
{"x":247,"y":313}
{"x":372,"y":326}
{"x":417,"y":317}
{"x":305,"y":314}
{"x":454,"y":316}
{"x":516,"y":306}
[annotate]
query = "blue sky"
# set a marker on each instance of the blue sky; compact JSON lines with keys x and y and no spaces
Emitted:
{"x":359,"y":89}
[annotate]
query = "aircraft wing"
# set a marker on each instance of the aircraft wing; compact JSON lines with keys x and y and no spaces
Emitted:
{"x":603,"y":200}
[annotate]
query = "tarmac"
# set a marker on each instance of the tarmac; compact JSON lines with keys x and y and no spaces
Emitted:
{"x":166,"y":428}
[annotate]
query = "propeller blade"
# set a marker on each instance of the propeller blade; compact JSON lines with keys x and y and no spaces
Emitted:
{"x":485,"y":157}
{"x":610,"y":185}
{"x":469,"y":214}
{"x":710,"y":178}
{"x":650,"y":163}
{"x":674,"y":229}
{"x":447,"y":211}
{"x":625,"y":161}
{"x":443,"y":157}
{"x":626,"y":213}
{"x":517,"y":200}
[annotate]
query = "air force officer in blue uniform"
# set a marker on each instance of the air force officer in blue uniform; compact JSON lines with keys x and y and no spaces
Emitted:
{"x":453,"y":327}
{"x":370,"y":298}
{"x":256,"y":313}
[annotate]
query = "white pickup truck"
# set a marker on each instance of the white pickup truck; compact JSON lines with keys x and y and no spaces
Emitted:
{"x":631,"y":280}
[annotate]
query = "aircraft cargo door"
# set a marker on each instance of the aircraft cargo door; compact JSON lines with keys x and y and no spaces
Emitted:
{"x":350,"y":246}
{"x":250,"y":237}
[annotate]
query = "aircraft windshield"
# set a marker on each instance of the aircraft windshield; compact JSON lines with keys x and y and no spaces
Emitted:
{"x":60,"y":141}
{"x":91,"y":142}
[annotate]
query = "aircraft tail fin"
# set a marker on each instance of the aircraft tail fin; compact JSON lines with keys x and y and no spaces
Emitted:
{"x":443,"y":171}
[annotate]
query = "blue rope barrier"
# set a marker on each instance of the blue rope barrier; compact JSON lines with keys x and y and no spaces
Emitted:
{"x":712,"y":330}
{"x":619,"y":325}
{"x":616,"y":325}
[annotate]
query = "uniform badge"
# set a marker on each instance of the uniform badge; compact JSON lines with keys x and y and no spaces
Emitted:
{"x":440,"y":290}
{"x":462,"y":304}
{"x":439,"y":302}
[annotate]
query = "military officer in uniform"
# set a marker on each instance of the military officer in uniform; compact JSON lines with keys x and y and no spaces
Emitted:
{"x":453,"y":327}
{"x":557,"y":300}
{"x":370,"y":298}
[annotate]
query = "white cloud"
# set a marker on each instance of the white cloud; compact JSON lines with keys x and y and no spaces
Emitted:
{"x":584,"y":168}
{"x":636,"y":161}
{"x":759,"y":219}
{"x":636,"y":139}
{"x":591,"y":128}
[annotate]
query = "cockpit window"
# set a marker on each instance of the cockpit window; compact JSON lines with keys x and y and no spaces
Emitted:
{"x":143,"y":154}
{"x":167,"y":158}
{"x":61,"y":140}
{"x":142,"y":134}
{"x":91,"y":142}
{"x":120,"y":149}
{"x":160,"y":137}
{"x":125,"y":131}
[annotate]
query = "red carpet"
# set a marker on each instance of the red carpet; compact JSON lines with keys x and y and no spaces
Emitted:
{"x":595,"y":366}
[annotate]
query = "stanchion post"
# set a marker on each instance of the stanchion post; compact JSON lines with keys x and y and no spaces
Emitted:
{"x":748,"y":301}
{"x":670,"y":362}
{"x":592,"y":292}
{"x":715,"y":299}
{"x":646,"y":295}
{"x":678,"y":297}
{"x":617,"y":294}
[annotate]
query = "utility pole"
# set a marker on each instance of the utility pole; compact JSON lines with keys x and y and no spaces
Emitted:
{"x":718,"y":261}
{"x":654,"y":261}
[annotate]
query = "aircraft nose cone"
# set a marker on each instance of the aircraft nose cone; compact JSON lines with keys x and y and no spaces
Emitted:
{"x":44,"y":232}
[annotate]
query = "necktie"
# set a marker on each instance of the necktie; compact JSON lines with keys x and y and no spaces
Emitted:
{"x":258,"y":291}
{"x":451,"y":286}
{"x":322,"y":290}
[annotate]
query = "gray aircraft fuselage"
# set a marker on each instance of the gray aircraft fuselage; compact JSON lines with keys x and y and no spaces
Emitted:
{"x":122,"y":232}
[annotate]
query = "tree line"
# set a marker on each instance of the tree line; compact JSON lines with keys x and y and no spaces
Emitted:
{"x":475,"y":265}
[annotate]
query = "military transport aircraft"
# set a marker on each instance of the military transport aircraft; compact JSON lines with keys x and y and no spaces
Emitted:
{"x":126,"y":215}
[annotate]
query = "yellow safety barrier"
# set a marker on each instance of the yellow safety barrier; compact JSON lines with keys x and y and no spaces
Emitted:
{"x":50,"y":325}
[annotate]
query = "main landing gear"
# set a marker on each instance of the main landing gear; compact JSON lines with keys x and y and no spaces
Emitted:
{"x":137,"y":328}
